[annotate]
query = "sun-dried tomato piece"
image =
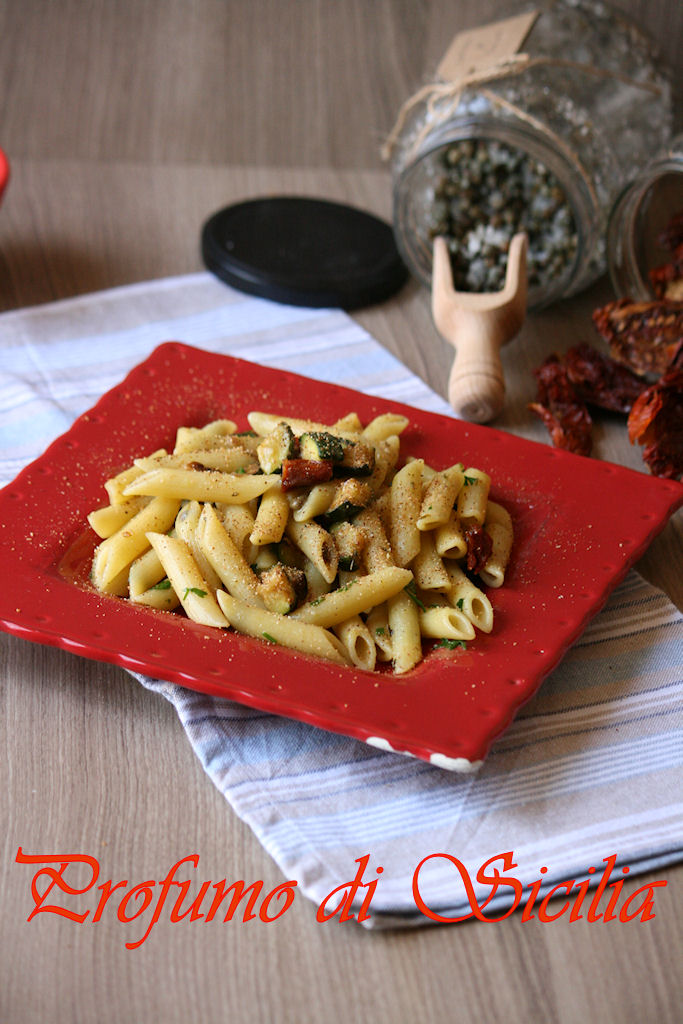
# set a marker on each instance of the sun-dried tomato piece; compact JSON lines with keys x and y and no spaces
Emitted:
{"x":600,"y":380}
{"x":643,"y":335}
{"x":565,"y":416}
{"x":479,"y":547}
{"x":672,"y":235}
{"x":301,"y":472}
{"x":667,"y":280}
{"x":656,"y":422}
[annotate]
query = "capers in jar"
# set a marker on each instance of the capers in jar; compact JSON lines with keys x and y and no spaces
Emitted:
{"x":488,"y":192}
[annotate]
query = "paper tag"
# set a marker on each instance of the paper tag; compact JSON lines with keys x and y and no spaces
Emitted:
{"x":478,"y":49}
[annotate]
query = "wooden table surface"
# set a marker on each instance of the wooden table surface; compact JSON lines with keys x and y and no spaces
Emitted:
{"x":127,"y":124}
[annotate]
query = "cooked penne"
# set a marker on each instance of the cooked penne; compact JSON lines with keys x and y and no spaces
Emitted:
{"x":116,"y":485}
{"x":271,"y":518}
{"x":357,"y":568}
{"x":226,"y":559}
{"x":469,"y":599}
{"x":118,"y":551}
{"x":439,"y":497}
{"x":364,"y":593}
{"x":186,"y":528}
{"x":187,"y":581}
{"x":264,"y":422}
{"x":358,"y":642}
{"x":315,"y":502}
{"x":317,"y":545}
{"x":227,"y":460}
{"x":449,"y":540}
{"x":427,"y":566}
{"x":107,"y":520}
{"x":473,"y":497}
{"x":188,"y":438}
{"x":445,"y":622}
{"x":149,"y":585}
{"x":145,"y":572}
{"x":406,"y":639}
{"x":498,"y":525}
{"x":377,"y":621}
{"x":202,"y":485}
{"x":405,"y":500}
{"x":239,"y":522}
{"x":281,"y":629}
{"x":384,"y":426}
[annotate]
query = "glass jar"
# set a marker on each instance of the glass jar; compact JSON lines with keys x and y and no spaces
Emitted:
{"x":575,"y":116}
{"x":640,"y":215}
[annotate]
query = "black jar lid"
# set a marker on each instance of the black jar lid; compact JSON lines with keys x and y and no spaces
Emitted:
{"x":304,"y":252}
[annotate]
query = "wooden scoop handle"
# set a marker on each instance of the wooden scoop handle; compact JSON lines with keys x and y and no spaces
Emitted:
{"x":477,"y":325}
{"x":476,"y":388}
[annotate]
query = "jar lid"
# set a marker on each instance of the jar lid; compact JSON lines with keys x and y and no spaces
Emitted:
{"x":304,"y":252}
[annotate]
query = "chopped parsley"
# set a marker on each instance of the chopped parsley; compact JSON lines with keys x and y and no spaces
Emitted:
{"x":460,"y":603}
{"x":470,"y":480}
{"x":380,"y":630}
{"x":194,"y":590}
{"x":410,"y":591}
{"x":269,"y":638}
{"x":162,"y":585}
{"x":451,"y":644}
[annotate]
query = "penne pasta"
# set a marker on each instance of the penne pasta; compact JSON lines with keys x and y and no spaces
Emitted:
{"x":377,"y":621}
{"x":271,"y":518}
{"x":188,"y":438}
{"x":469,"y":599}
{"x":362,"y":594}
{"x":280,"y":629}
{"x":439,"y":498}
{"x":498,"y":525}
{"x":406,"y":638}
{"x":405,"y":500}
{"x":107,"y":520}
{"x":202,"y":485}
{"x":445,"y":622}
{"x":117,"y":552}
{"x":226,"y":560}
{"x":358,"y":642}
{"x":449,"y":540}
{"x":358,"y":567}
{"x":427,"y":566}
{"x":187,"y":581}
{"x":473,"y":497}
{"x":317,"y":545}
{"x":385,"y":426}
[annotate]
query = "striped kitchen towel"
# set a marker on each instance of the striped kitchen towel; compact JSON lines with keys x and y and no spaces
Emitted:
{"x":585,"y":783}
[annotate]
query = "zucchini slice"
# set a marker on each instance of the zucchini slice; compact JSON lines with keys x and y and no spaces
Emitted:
{"x":358,"y":460}
{"x":317,"y":445}
{"x":282,"y":588}
{"x":278,"y":445}
{"x":351,"y":498}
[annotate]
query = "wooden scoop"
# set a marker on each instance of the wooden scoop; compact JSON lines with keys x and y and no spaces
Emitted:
{"x":477,"y":324}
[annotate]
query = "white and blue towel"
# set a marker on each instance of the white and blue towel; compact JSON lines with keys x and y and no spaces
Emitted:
{"x":590,"y":768}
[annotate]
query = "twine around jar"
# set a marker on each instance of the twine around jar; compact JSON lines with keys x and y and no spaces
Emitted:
{"x":437,"y":91}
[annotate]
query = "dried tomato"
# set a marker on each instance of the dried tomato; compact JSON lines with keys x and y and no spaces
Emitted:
{"x":667,"y":280}
{"x":301,"y":472}
{"x":643,"y":335}
{"x":656,"y":422}
{"x":564,"y":414}
{"x":479,"y":547}
{"x":600,"y":380}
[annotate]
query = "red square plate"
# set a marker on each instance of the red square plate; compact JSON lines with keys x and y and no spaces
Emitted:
{"x":579,"y":525}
